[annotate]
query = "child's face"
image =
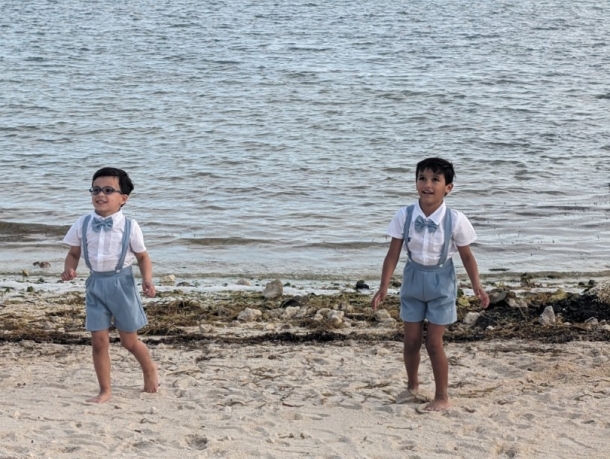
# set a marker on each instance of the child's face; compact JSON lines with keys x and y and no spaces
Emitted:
{"x":108,"y":204}
{"x":432,"y":189}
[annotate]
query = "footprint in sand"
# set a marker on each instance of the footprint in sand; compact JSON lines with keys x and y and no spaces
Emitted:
{"x":197,"y":441}
{"x":409,"y":396}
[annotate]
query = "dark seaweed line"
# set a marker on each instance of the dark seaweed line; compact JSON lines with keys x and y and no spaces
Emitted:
{"x":321,"y":337}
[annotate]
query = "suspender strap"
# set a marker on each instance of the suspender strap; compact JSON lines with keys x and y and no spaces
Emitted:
{"x":84,"y":241}
{"x":124,"y":243}
{"x":406,"y":228}
{"x":447,"y":230}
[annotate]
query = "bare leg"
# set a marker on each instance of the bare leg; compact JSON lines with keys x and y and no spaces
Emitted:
{"x":440,"y":367}
{"x":412,"y":344}
{"x":100,"y":342}
{"x":130,"y":341}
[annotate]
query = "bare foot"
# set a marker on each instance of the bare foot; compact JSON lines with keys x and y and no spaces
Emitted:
{"x":151,"y":380}
{"x":102,"y":397}
{"x":438,"y":405}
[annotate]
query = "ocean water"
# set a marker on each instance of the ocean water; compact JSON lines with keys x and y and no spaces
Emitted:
{"x":280,"y":138}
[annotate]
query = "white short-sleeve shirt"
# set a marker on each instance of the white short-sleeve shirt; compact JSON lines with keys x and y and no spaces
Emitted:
{"x":426,"y":247}
{"x":105,"y":247}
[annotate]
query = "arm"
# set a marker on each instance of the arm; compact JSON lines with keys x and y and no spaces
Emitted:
{"x":470,"y":264}
{"x":389,"y":265}
{"x":71,"y":263}
{"x":146,"y":271}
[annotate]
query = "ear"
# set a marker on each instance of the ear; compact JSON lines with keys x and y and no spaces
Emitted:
{"x":448,"y":188}
{"x":124,"y":198}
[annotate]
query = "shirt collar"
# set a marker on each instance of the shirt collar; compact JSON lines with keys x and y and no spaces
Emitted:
{"x":437,"y":216}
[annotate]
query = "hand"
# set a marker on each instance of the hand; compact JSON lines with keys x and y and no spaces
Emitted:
{"x":68,"y":275}
{"x":378,"y":298}
{"x":149,"y":289}
{"x":482,"y":296}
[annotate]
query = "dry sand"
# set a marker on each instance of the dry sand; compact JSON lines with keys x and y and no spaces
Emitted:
{"x":511,"y":399}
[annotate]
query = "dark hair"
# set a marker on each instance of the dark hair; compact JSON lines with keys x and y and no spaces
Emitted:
{"x":438,"y":166}
{"x":125,"y":183}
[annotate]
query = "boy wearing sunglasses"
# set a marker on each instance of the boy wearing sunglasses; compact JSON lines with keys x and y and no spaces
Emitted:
{"x":110,"y":243}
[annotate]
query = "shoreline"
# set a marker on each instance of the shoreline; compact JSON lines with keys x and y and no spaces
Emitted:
{"x":302,"y":263}
{"x":33,"y":274}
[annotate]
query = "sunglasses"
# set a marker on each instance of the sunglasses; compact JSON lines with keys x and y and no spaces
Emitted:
{"x":104,"y":189}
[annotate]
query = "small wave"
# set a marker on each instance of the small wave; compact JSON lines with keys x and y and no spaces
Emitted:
{"x":238,"y":241}
{"x":400,"y":94}
{"x":343,"y":245}
{"x":183,"y":25}
{"x":24,"y":127}
{"x":15,"y":232}
{"x":223,"y":61}
{"x":545,"y":29}
{"x":569,"y":208}
{"x":482,"y":35}
{"x":508,"y":144}
{"x":225,"y":241}
{"x":308,"y":48}
{"x":398,"y":170}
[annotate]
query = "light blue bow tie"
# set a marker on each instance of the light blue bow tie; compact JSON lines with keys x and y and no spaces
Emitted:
{"x":421,"y":223}
{"x":99,"y":224}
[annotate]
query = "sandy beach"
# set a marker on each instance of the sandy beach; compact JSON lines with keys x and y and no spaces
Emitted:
{"x":273,"y":388}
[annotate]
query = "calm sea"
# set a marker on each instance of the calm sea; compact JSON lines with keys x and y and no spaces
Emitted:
{"x":272,"y":137}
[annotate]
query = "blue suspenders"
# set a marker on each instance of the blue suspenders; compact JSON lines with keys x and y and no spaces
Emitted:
{"x":447,"y":229}
{"x":124,"y":245}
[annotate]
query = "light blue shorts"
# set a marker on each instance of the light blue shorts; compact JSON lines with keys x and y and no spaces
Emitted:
{"x":113,"y":295}
{"x":428,"y":292}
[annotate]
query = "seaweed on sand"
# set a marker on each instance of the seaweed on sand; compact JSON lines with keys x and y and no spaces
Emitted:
{"x":181,"y":318}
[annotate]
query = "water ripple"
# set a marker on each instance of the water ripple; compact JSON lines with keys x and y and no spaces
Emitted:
{"x":298,"y":125}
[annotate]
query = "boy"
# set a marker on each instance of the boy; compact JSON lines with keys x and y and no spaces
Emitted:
{"x":109,"y":243}
{"x":430,"y":233}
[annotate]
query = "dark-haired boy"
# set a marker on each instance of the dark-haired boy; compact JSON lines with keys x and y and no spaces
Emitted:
{"x":430,"y":233}
{"x":110,"y":243}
